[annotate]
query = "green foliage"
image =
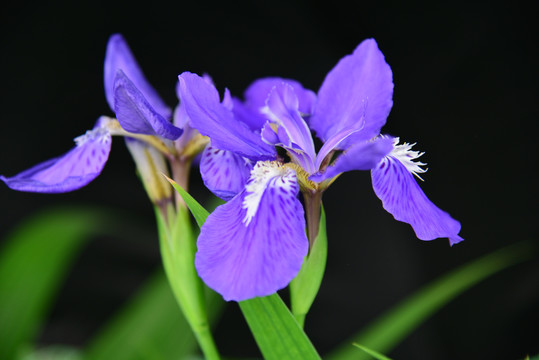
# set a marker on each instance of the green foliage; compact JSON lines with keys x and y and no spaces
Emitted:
{"x":275,"y":330}
{"x":178,"y":247}
{"x":149,"y":327}
{"x":372,"y":353}
{"x":391,"y":328}
{"x":304,"y":288}
{"x":33,"y":264}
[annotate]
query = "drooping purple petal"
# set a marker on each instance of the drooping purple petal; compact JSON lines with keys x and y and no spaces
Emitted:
{"x":70,"y":171}
{"x":357,"y":93}
{"x":257,"y":93}
{"x":135,"y":114}
{"x":120,"y":57}
{"x":282,"y":110}
{"x":212,"y":119}
{"x":361,"y":156}
{"x":224,"y":173}
{"x":254,"y":245}
{"x":403,"y":198}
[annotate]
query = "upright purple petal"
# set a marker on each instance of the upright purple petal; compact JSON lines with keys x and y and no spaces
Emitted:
{"x":135,"y":114}
{"x":282,"y":110}
{"x":356,"y":94}
{"x":224,"y":172}
{"x":70,"y":171}
{"x":120,"y":57}
{"x":208,"y":115}
{"x":257,"y":93}
{"x":361,"y":156}
{"x":254,"y":245}
{"x":401,"y":196}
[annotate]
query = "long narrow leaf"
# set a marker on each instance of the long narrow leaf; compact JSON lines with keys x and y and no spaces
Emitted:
{"x":391,"y":328}
{"x":275,"y":329}
{"x":150,"y":327}
{"x":32,"y":266}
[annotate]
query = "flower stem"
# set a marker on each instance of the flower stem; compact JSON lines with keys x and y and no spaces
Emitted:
{"x":181,"y":167}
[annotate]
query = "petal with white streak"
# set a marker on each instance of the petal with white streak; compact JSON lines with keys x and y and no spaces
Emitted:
{"x":254,"y":245}
{"x":224,"y":172}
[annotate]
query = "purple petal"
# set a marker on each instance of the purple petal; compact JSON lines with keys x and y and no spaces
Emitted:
{"x":257,"y":93}
{"x":253,"y":118}
{"x":212,"y":119}
{"x":120,"y":57}
{"x":136,"y":114}
{"x":357,"y":93}
{"x":362,"y":156}
{"x":282,"y":109}
{"x":242,"y":259}
{"x":70,"y":171}
{"x":224,"y":172}
{"x":403,"y":198}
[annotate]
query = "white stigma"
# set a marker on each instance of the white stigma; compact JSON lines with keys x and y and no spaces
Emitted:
{"x":407,"y":157}
{"x":264,"y":174}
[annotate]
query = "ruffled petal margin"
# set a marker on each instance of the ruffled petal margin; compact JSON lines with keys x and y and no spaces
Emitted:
{"x":68,"y":172}
{"x":403,"y":198}
{"x":224,"y":172}
{"x":242,"y":255}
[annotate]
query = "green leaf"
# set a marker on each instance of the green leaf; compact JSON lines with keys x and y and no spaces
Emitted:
{"x":54,"y":352}
{"x":372,"y":353}
{"x":199,"y":213}
{"x":392,"y":327}
{"x":33,"y":264}
{"x":304,"y":288}
{"x":275,"y":330}
{"x":149,"y":327}
{"x":178,"y":247}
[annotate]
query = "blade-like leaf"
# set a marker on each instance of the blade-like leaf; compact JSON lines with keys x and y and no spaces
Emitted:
{"x":304,"y":288}
{"x":149,"y":327}
{"x":392,"y":327}
{"x":275,"y":329}
{"x":372,"y":353}
{"x":33,"y":264}
{"x":199,"y":213}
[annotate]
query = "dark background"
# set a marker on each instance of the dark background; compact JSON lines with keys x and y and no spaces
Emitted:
{"x":466,"y":89}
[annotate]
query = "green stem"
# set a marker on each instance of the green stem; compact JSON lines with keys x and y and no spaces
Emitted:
{"x":178,"y":248}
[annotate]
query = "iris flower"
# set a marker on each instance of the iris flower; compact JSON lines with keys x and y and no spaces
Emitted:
{"x":255,"y":244}
{"x":141,"y":115}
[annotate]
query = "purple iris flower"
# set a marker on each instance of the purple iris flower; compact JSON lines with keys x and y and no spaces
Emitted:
{"x":140,"y":112}
{"x":255,"y":244}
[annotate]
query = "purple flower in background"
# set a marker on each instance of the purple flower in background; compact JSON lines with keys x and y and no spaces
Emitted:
{"x":140,"y":112}
{"x":255,"y":244}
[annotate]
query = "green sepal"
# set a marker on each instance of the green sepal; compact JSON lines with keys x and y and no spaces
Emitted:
{"x":305,"y":286}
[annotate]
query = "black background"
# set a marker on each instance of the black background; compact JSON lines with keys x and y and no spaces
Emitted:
{"x":465,"y":89}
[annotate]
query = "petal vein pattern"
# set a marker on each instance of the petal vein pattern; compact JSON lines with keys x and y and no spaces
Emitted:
{"x":242,"y":256}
